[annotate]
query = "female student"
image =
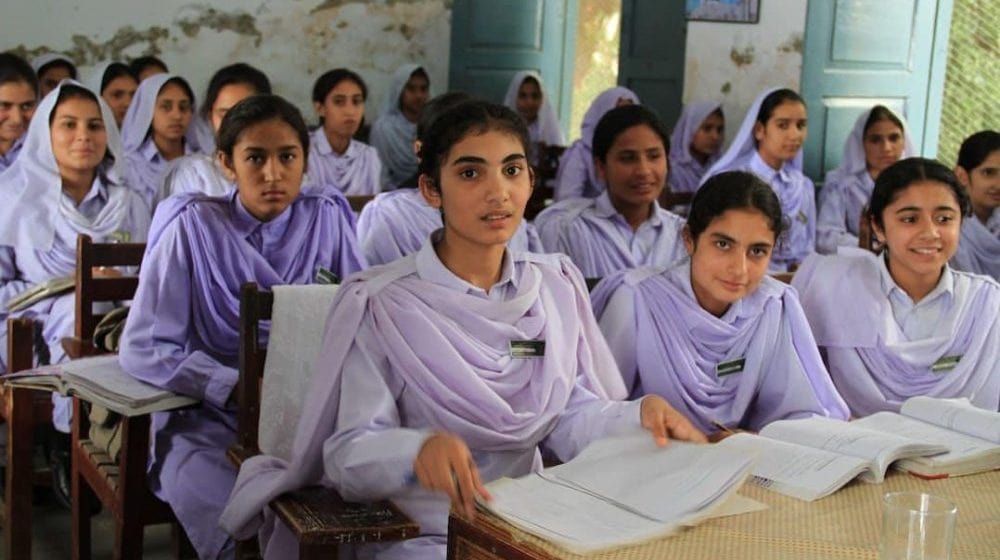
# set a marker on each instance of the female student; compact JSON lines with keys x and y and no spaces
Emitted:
{"x":201,"y":173}
{"x":526,"y":95}
{"x":18,"y":95}
{"x":723,"y":342}
{"x":428,"y":400}
{"x":51,"y":69}
{"x":769,"y":144}
{"x":904,"y":323}
{"x":695,"y":144}
{"x":116,"y":85}
{"x":397,"y":223}
{"x":978,"y":170}
{"x":878,"y":140}
{"x":576,"y":176}
{"x":156,"y":131}
{"x":624,"y":227}
{"x":336,"y":158}
{"x":182,"y":332}
{"x":395,"y":129}
{"x":67,"y":181}
{"x":145,"y":66}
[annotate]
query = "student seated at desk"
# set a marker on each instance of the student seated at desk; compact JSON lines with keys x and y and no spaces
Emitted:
{"x":452,"y":367}
{"x":717,"y":337}
{"x":904,"y":323}
{"x":182,"y":332}
{"x":624,"y":227}
{"x":978,"y":170}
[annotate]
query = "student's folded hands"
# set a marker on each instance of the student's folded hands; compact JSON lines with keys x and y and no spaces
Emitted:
{"x":665,"y":423}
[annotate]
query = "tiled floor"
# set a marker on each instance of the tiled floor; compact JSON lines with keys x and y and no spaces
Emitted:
{"x":51,"y":530}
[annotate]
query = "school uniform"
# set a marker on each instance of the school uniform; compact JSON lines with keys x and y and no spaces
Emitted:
{"x":392,"y":134}
{"x":182,"y":332}
{"x":847,"y":190}
{"x":685,"y":170}
{"x":600,"y":242}
{"x":576,"y":176}
{"x":795,"y":191}
{"x":357,"y":171}
{"x":979,"y":247}
{"x":755,"y":364}
{"x":424,"y":336}
{"x":545,"y":129}
{"x":145,"y":167}
{"x":397,"y":223}
{"x":882,"y":348}
{"x":39,"y":226}
{"x":194,"y":174}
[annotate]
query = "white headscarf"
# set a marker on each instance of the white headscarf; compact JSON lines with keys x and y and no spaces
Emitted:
{"x":33,"y":185}
{"x":42,"y":60}
{"x":688,"y":123}
{"x":139,"y":117}
{"x":549,"y":130}
{"x":96,"y":78}
{"x":744,"y":143}
{"x":854,"y":161}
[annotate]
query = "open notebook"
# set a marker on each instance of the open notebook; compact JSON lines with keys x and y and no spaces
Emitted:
{"x":624,"y":490}
{"x":814,"y":457}
{"x":102,"y":381}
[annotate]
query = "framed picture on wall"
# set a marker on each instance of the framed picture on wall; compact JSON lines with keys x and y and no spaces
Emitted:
{"x":732,"y":11}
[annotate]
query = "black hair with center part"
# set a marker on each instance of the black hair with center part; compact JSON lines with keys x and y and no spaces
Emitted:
{"x":15,"y":69}
{"x":881,"y":113}
{"x":59,"y":62}
{"x":181,"y":83}
{"x":473,"y":117}
{"x":773,"y":100}
{"x":141,"y":63}
{"x":899,"y":176}
{"x":976,"y":148}
{"x":239,"y":73}
{"x":71,"y":91}
{"x":325,"y":84}
{"x":257,"y":109}
{"x":114,"y":71}
{"x":620,"y":119}
{"x":734,"y":190}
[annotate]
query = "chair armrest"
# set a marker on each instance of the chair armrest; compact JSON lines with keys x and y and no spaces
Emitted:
{"x":317,"y":515}
{"x":77,"y":348}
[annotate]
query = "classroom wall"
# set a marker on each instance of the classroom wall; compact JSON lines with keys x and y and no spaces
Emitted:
{"x":293,"y":41}
{"x":734,"y":62}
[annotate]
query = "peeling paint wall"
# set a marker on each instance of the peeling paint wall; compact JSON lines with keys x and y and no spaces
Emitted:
{"x":733,"y":62}
{"x":293,"y":41}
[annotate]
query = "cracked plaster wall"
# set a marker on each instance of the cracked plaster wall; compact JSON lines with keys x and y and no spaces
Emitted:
{"x":293,"y":41}
{"x":733,"y":62}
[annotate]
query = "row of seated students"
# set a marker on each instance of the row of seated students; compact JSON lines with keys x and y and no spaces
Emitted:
{"x":411,"y":334}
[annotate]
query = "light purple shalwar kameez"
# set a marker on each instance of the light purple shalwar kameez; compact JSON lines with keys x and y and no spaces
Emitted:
{"x":182,"y":332}
{"x":846,"y":191}
{"x":576,"y":176}
{"x":429,"y":352}
{"x":600,"y":242}
{"x":39,"y":226}
{"x":357,"y":171}
{"x":979,"y":246}
{"x":665,"y":343}
{"x":7,"y":158}
{"x":881,"y":348}
{"x":196,"y":173}
{"x":398,"y":223}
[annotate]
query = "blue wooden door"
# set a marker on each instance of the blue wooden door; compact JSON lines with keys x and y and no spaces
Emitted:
{"x":491,"y":40}
{"x":651,"y":59}
{"x":859,"y":53}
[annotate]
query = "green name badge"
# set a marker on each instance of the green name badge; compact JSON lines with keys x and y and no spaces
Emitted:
{"x":120,"y":236}
{"x":730,"y":367}
{"x":527,"y":348}
{"x":802,"y":217}
{"x":324,"y":276}
{"x":946,"y":363}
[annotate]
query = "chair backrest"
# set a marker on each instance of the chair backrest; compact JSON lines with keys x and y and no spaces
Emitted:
{"x":274,"y":380}
{"x":358,"y":201}
{"x":91,"y":289}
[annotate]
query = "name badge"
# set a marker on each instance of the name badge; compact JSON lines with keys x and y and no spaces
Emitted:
{"x":730,"y":367}
{"x":120,"y":236}
{"x":527,"y":348}
{"x":802,"y":217}
{"x":946,"y":363}
{"x":324,"y":276}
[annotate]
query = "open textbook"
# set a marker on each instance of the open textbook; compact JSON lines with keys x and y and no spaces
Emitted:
{"x":625,"y":490}
{"x":814,"y":457}
{"x":102,"y":381}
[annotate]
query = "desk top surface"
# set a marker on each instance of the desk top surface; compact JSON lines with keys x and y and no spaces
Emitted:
{"x":846,"y":524}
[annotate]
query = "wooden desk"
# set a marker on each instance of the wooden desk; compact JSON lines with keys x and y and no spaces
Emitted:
{"x":845,"y":525}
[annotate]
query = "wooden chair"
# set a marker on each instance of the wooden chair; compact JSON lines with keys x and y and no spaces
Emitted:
{"x":22,"y":410}
{"x":866,"y":239}
{"x":358,"y":201}
{"x":120,"y":485}
{"x":670,"y":199}
{"x":318,"y":516}
{"x":545,"y":173}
